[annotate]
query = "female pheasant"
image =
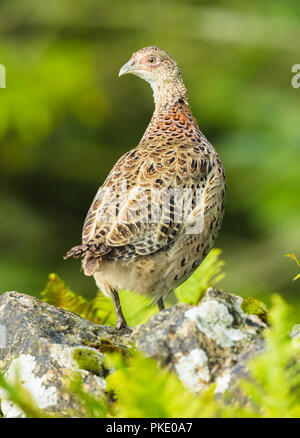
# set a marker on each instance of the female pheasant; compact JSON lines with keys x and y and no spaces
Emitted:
{"x":157,"y":215}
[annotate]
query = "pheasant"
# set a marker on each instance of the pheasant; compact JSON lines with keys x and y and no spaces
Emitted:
{"x":157,"y":215}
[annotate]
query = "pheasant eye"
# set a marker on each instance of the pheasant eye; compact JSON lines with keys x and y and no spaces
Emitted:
{"x":151,"y":60}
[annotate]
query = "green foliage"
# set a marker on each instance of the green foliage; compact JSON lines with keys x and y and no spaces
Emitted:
{"x":208,"y":274}
{"x":53,"y":95}
{"x":137,"y":308}
{"x":93,"y":407}
{"x":143,"y":390}
{"x":99,"y":310}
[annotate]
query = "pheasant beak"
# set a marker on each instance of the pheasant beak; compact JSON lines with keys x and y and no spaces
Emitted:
{"x":127,"y":68}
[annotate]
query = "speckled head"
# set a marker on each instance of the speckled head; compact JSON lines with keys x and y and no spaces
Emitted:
{"x":157,"y":67}
{"x":152,"y":64}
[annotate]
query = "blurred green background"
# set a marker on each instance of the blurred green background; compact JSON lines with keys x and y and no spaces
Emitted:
{"x":66,"y":117}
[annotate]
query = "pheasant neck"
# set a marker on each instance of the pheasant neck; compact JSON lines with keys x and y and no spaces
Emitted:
{"x":172,"y":117}
{"x":166,"y":94}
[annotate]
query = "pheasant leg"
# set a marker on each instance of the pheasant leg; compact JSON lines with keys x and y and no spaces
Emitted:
{"x":121,"y":321}
{"x":160,"y":304}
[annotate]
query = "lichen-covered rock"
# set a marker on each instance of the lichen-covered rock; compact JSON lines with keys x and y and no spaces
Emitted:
{"x":46,"y":346}
{"x":201,"y":343}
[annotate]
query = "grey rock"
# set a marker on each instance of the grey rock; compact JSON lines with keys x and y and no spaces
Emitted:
{"x":46,"y":345}
{"x":202,"y":344}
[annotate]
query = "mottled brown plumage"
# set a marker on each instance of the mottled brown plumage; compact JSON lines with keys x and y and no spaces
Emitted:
{"x":157,"y":215}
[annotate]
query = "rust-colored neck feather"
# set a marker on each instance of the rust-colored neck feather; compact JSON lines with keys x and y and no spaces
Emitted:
{"x":172,"y":123}
{"x":172,"y":118}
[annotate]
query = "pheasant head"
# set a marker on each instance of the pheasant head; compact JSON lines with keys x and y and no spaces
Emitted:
{"x":158,"y":68}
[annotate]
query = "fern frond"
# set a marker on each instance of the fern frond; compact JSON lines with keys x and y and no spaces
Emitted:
{"x":99,"y":310}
